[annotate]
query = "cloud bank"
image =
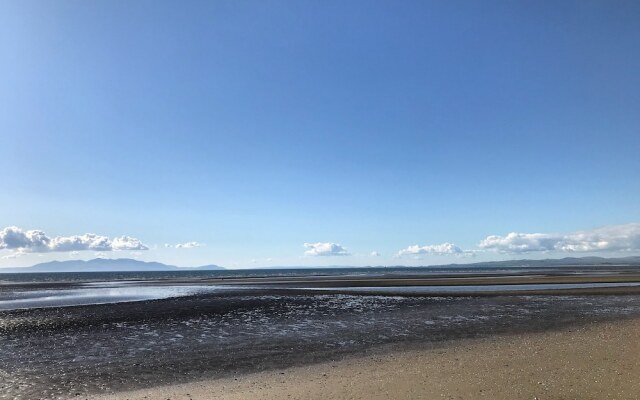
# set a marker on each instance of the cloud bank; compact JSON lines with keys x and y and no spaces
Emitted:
{"x":609,"y":238}
{"x":435,"y":249}
{"x":36,"y":241}
{"x":325,"y":249}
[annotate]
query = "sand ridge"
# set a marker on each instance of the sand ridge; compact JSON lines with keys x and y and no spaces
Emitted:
{"x":594,"y":361}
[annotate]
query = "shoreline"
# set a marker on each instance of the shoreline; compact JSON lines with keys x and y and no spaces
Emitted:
{"x":597,"y":360}
{"x":236,"y":332}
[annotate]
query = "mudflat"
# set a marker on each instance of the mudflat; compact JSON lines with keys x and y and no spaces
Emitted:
{"x":593,"y":361}
{"x":94,"y":339}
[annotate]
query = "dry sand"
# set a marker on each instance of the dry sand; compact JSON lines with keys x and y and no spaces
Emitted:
{"x":597,"y":361}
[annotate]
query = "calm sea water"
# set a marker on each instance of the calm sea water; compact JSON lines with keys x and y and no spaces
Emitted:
{"x":154,"y":275}
{"x":41,"y":290}
{"x":245,"y":273}
{"x":8,"y":278}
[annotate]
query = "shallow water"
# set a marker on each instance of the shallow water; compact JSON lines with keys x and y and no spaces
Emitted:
{"x":94,"y":294}
{"x":105,"y":292}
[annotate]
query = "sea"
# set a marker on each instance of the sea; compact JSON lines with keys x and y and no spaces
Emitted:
{"x":26,"y":277}
{"x":65,"y":289}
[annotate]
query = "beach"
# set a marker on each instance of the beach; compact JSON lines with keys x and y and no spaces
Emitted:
{"x":594,"y":361}
{"x":289,"y":199}
{"x":308,"y":336}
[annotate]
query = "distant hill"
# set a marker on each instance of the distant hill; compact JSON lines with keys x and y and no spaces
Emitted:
{"x":633,"y":261}
{"x":554,"y":262}
{"x":127,"y":264}
{"x":107,"y":265}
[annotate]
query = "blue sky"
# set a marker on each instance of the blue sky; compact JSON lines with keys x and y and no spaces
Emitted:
{"x":252,"y":128}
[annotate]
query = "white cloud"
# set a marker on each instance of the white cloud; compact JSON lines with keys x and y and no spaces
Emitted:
{"x":36,"y":241}
{"x":435,"y":249}
{"x":520,"y":242}
{"x":87,"y":241}
{"x":127,"y":243}
{"x":609,"y":238}
{"x":13,"y":237}
{"x":188,"y":245}
{"x":325,"y":249}
{"x":375,"y":254}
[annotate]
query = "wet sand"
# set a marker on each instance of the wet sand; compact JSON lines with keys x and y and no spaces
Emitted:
{"x":594,"y":361}
{"x":255,"y":325}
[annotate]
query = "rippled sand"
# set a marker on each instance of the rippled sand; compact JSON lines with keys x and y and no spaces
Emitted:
{"x":597,"y":361}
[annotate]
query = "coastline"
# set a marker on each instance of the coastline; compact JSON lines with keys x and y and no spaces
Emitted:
{"x":244,"y":327}
{"x":598,"y":360}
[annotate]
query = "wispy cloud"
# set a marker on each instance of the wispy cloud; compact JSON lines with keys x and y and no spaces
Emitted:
{"x":609,"y":238}
{"x":15,"y":254}
{"x":37,"y":241}
{"x":325,"y":249}
{"x":187,"y":245}
{"x":375,"y":254}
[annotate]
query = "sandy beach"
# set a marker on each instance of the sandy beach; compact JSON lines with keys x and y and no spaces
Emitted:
{"x":568,"y":334}
{"x":301,"y":200}
{"x":594,"y":361}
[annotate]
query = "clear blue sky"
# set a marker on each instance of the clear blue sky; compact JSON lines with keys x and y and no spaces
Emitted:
{"x":253,"y":127}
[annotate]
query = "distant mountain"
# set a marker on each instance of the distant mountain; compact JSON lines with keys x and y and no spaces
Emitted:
{"x":127,"y":264}
{"x":554,"y":262}
{"x":106,"y":265}
{"x":633,"y":261}
{"x":209,"y":267}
